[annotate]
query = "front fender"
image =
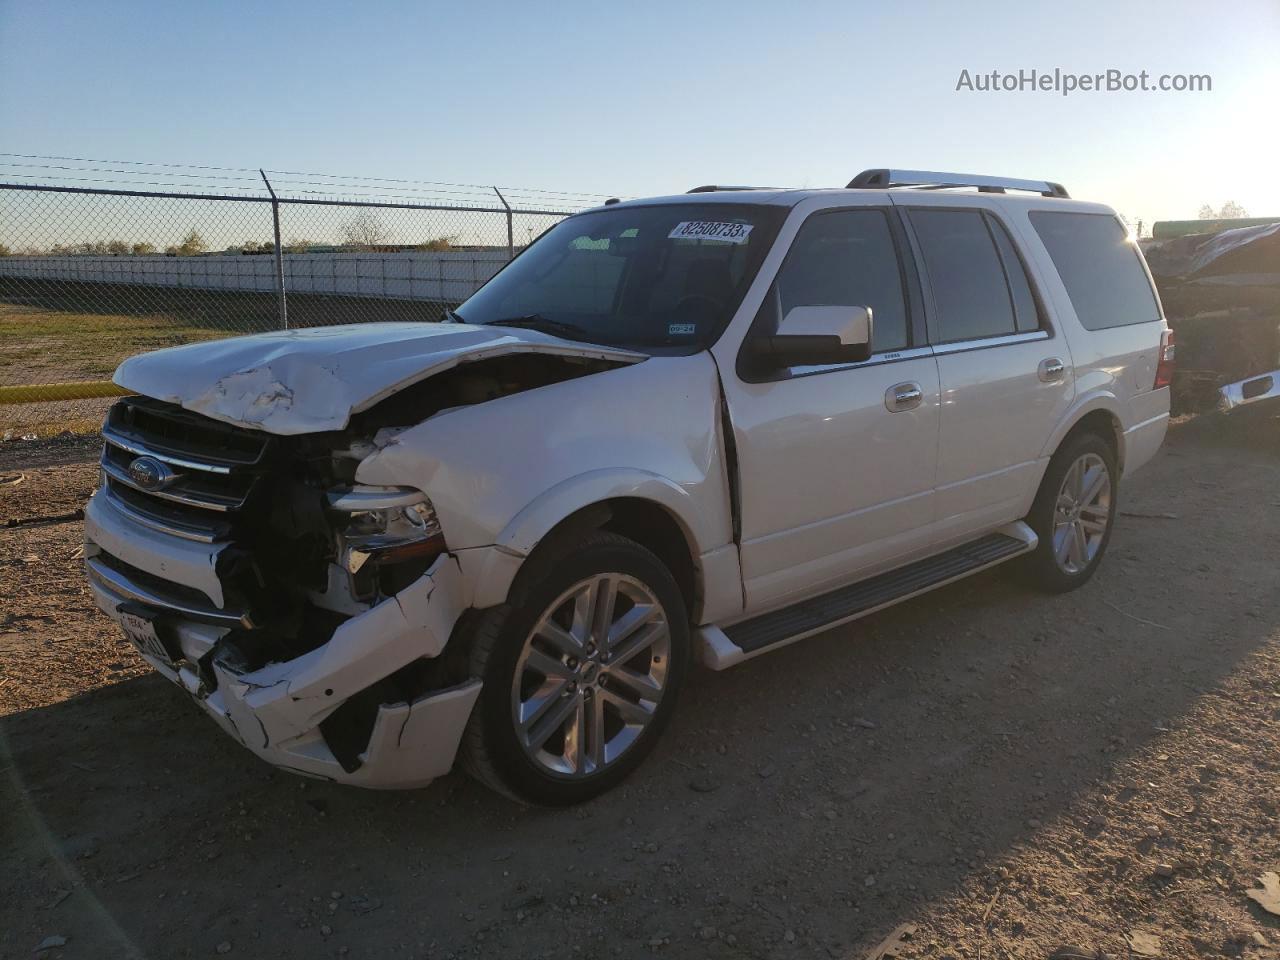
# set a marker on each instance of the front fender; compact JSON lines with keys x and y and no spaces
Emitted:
{"x":494,"y":568}
{"x":504,"y":472}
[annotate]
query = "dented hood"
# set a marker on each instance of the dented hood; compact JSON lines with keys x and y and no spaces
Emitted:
{"x":307,"y":381}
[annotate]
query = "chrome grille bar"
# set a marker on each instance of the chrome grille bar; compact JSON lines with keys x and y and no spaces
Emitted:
{"x":119,"y":585}
{"x":174,"y":494}
{"x":162,"y":524}
{"x":130,"y":444}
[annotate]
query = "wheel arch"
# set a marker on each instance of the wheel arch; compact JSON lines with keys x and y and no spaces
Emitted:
{"x":1098,"y":415}
{"x":646,"y":508}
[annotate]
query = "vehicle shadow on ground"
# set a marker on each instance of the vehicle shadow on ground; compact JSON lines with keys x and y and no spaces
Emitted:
{"x":806,"y":801}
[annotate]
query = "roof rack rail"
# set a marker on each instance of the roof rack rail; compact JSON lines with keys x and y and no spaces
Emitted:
{"x":716,"y":188}
{"x":936,"y":180}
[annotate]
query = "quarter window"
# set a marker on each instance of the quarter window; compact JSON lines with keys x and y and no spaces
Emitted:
{"x":845,"y":258}
{"x":971,"y":295}
{"x":1026,"y":313}
{"x":1099,"y":266}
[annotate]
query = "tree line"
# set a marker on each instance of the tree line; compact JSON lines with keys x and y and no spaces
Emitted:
{"x":363,"y":231}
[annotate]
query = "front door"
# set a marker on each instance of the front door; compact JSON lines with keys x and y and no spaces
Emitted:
{"x":836,"y":463}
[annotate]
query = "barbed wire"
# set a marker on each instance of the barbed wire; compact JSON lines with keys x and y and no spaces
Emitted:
{"x":361,"y":181}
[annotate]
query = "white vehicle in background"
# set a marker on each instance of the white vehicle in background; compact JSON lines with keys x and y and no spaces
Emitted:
{"x":694,"y":427}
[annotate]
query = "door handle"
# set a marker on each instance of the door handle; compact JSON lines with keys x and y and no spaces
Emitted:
{"x":903,"y":396}
{"x":1051,"y":370}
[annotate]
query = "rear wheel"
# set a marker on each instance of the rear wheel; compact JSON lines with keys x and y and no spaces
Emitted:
{"x":581,"y":669}
{"x":1073,"y":514}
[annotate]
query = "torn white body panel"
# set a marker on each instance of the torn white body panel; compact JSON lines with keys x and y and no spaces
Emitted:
{"x":296,"y":695}
{"x":276,"y":711}
{"x":292,"y":382}
{"x":577,"y":442}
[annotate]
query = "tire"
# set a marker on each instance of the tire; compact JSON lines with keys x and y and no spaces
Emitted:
{"x":541,"y":659}
{"x":1061,"y":561}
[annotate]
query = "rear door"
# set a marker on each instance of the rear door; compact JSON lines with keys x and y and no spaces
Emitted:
{"x":1004,"y":373}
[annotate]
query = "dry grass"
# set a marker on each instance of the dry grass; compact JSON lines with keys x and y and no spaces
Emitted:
{"x":56,"y":332}
{"x":40,"y":345}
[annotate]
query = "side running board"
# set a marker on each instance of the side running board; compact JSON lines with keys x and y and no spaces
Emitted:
{"x":722,"y":648}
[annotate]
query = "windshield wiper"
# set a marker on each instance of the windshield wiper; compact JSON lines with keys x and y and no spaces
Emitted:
{"x":536,"y":321}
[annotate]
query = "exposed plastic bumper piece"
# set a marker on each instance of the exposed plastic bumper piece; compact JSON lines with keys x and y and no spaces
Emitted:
{"x":1265,"y":386}
{"x":276,"y":711}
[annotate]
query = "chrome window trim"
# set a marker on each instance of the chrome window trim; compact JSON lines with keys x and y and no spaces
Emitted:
{"x":983,"y":343}
{"x":877,"y":359}
{"x":126,"y":443}
{"x":896,"y":356}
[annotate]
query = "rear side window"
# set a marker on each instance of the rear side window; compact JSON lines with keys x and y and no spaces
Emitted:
{"x":971,"y":294}
{"x":1099,"y":266}
{"x":847,"y":258}
{"x":1026,"y":312}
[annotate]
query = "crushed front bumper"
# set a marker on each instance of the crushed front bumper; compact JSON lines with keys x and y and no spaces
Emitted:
{"x":1265,"y":386}
{"x":276,"y":711}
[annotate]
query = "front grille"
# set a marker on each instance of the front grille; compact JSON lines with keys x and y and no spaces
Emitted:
{"x":170,"y":429}
{"x":212,"y":470}
{"x":250,"y":494}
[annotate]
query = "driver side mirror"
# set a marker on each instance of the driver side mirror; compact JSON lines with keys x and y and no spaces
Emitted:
{"x":811,"y":336}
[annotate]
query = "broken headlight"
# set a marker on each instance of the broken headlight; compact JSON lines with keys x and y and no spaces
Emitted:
{"x":384,"y":525}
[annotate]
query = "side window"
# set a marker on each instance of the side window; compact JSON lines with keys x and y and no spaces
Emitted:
{"x":1026,"y":313}
{"x":965,"y":271}
{"x":1099,"y":266}
{"x":846,"y":258}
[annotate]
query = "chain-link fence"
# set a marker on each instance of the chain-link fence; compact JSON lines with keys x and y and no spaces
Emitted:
{"x":92,"y":275}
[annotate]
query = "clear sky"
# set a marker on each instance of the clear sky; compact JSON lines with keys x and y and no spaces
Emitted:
{"x":654,"y":97}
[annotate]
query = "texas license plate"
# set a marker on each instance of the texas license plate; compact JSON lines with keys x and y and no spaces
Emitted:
{"x":140,"y":629}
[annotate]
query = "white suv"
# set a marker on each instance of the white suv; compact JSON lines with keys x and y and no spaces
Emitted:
{"x":695,"y":427}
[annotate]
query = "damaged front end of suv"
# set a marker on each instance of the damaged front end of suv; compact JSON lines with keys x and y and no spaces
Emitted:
{"x":231,"y":538}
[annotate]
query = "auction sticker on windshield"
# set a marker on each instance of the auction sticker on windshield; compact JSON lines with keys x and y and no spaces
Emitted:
{"x":710,"y":230}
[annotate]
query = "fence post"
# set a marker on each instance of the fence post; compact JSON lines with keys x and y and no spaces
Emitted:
{"x":511,"y":240}
{"x":275,"y":221}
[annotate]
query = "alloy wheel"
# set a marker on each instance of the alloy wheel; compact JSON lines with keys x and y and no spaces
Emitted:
{"x":590,"y":676}
{"x":1081,"y":513}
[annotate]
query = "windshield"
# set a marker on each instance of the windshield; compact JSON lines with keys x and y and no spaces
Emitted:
{"x":650,"y":277}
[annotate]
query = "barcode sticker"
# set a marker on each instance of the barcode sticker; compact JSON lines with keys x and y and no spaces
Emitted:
{"x":711,"y":230}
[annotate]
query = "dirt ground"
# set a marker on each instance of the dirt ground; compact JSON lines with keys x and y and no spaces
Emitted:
{"x":1008,"y":772}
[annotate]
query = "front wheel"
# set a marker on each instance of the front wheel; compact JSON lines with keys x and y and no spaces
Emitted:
{"x":581,"y":668}
{"x":1073,"y":514}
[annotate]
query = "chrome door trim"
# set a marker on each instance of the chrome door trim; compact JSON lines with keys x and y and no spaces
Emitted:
{"x":982,"y":343}
{"x":889,"y":356}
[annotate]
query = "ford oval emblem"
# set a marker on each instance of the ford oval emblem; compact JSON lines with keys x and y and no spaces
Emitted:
{"x":150,"y":474}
